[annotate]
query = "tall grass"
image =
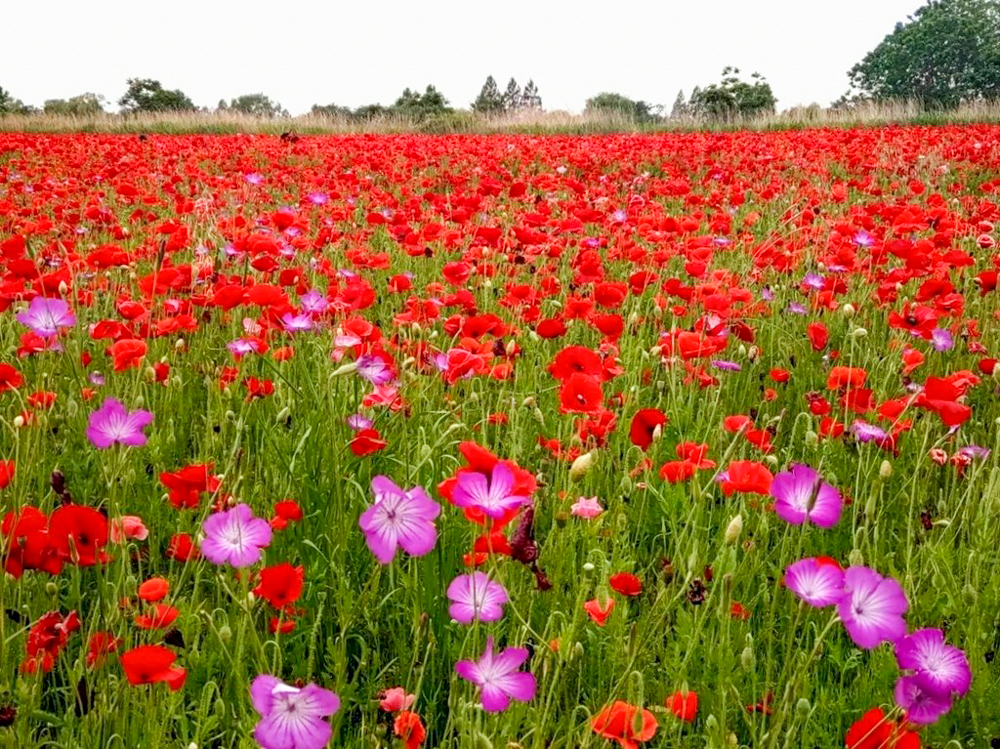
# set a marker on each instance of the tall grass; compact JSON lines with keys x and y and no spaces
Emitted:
{"x":530,"y":122}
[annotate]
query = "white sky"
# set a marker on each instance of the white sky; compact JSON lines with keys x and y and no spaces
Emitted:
{"x":302,"y":52}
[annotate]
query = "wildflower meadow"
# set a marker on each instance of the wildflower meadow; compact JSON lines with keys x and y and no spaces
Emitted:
{"x":483,"y":441}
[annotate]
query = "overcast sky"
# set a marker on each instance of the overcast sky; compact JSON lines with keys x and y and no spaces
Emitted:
{"x":351,"y":53}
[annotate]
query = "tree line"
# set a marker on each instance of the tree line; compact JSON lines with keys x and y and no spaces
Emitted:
{"x":944,"y":55}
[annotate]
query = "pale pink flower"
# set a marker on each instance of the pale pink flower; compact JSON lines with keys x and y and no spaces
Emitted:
{"x":396,"y":699}
{"x":587,"y":507}
{"x":128,"y":527}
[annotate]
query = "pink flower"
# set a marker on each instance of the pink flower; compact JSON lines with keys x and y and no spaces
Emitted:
{"x":235,"y":537}
{"x":46,"y":316}
{"x":587,"y":507}
{"x":128,"y":527}
{"x":111,"y":423}
{"x":399,"y":518}
{"x":498,"y":677}
{"x":396,"y":699}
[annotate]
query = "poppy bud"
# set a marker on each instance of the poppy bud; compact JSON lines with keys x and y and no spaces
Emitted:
{"x":344,"y":369}
{"x":51,"y":588}
{"x":283,"y":414}
{"x":747,"y":659}
{"x":811,"y":438}
{"x":487,"y":284}
{"x":578,"y":650}
{"x":479,"y":740}
{"x":63,"y":288}
{"x":538,"y":415}
{"x":742,"y":350}
{"x":220,"y":707}
{"x":856,"y":558}
{"x":970,"y":594}
{"x":802,"y":708}
{"x":733,"y":530}
{"x":848,"y":310}
{"x":225,"y":633}
{"x":588,"y":567}
{"x":18,"y":421}
{"x":885,"y":470}
{"x":657,"y":433}
{"x":581,"y":466}
{"x":192,"y":745}
{"x":179,"y":344}
{"x":859,"y":333}
{"x":753,"y":353}
{"x":528,"y":402}
{"x":72,"y":408}
{"x":511,"y":348}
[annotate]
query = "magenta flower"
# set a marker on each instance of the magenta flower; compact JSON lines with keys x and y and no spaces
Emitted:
{"x":922,"y":707}
{"x":46,"y":316}
{"x":292,"y":717}
{"x":818,"y":583}
{"x":399,"y":518}
{"x":374,"y":369}
{"x":111,"y":423}
{"x":235,"y":537}
{"x":296,"y":323}
{"x":937,"y":667}
{"x":498,"y":677}
{"x":800,"y":494}
{"x":493,"y":496}
{"x":474,"y":597}
{"x":872,"y":608}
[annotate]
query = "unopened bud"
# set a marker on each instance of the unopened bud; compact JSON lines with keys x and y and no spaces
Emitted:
{"x":588,"y":567}
{"x":859,"y":333}
{"x":885,"y":470}
{"x":856,"y":558}
{"x":63,"y":288}
{"x":733,"y":530}
{"x":581,"y":466}
{"x":225,"y":633}
{"x":747,"y":659}
{"x":344,"y":369}
{"x":19,"y":421}
{"x":848,"y":310}
{"x":802,"y":708}
{"x":179,"y":344}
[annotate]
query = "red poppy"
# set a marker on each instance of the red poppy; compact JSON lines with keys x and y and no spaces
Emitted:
{"x":187,"y":484}
{"x":874,"y":731}
{"x":676,"y":471}
{"x":46,"y":639}
{"x":79,"y":534}
{"x":7,"y":468}
{"x":684,"y":705}
{"x":162,"y":616}
{"x":580,"y":393}
{"x":154,"y":589}
{"x":182,"y":548}
{"x":149,"y":664}
{"x":10,"y":378}
{"x":280,"y":585}
{"x":127,"y":353}
{"x":575,"y":360}
{"x":599,"y":612}
{"x":100,"y":645}
{"x":625,"y":584}
{"x":746,"y":476}
{"x":818,"y":335}
{"x":617,"y":722}
{"x":366,"y":442}
{"x":644,"y":424}
{"x":408,"y":727}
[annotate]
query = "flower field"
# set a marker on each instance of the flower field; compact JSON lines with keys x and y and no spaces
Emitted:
{"x":500,"y":441}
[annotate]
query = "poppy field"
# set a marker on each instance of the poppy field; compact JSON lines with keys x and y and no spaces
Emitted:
{"x":681,"y":440}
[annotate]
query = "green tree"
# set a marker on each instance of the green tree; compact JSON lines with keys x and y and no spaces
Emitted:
{"x":84,"y":105}
{"x":530,"y":98}
{"x":371,"y":112}
{"x":421,"y":106}
{"x":257,"y":105}
{"x":511,"y":97}
{"x":147,"y":95}
{"x":489,"y":100}
{"x":734,"y":97}
{"x":947,"y":52}
{"x":680,"y":108}
{"x":640,"y":111}
{"x":10,"y":105}
{"x":331,"y":110}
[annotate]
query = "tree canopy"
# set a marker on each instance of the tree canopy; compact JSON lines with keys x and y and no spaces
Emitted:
{"x":640,"y":111}
{"x":10,"y":105}
{"x":489,"y":101}
{"x":948,"y":52}
{"x":82,"y":105}
{"x":147,"y":95}
{"x":414,"y":104}
{"x":733,"y":97}
{"x":257,"y":105}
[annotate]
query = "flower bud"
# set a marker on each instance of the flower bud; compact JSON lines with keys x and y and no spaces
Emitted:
{"x":747,"y":659}
{"x":885,"y":470}
{"x":588,"y":567}
{"x":856,"y":558}
{"x":18,"y":421}
{"x":802,"y":708}
{"x":848,"y":310}
{"x":344,"y":369}
{"x":581,"y":466}
{"x":225,"y":633}
{"x":859,"y":333}
{"x":733,"y":530}
{"x":811,"y":438}
{"x":283,"y":414}
{"x":179,"y":344}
